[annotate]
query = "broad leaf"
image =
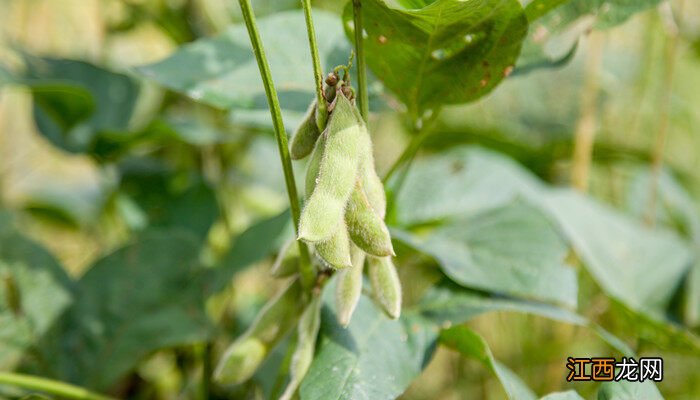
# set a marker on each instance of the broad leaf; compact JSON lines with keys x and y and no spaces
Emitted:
{"x":166,"y":200}
{"x":257,"y":242}
{"x":374,"y":358}
{"x":448,"y":52}
{"x":556,"y":25}
{"x":34,"y":291}
{"x":568,"y":395}
{"x":512,"y":250}
{"x":228,"y":77}
{"x":471,"y":344}
{"x":80,"y":107}
{"x":463,"y":180}
{"x":639,"y":266}
{"x":624,"y":390}
{"x":145,"y":296}
{"x":447,"y":303}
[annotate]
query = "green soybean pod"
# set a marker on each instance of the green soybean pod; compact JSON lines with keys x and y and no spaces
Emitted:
{"x":338,"y":170}
{"x":245,"y":354}
{"x":385,"y":285}
{"x":307,"y":332}
{"x":373,"y":186}
{"x":367,"y":230}
{"x":314,"y":165}
{"x":306,"y":134}
{"x":349,"y":287}
{"x":335,"y":252}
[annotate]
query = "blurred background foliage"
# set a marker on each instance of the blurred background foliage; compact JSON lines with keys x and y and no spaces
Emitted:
{"x":139,"y":174}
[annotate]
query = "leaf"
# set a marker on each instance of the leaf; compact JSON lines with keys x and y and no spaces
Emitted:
{"x":449,"y":304}
{"x":143,"y":297}
{"x":451,"y":51}
{"x":661,"y":332}
{"x":165,"y":199}
{"x":462,"y":180}
{"x":374,"y":358}
{"x":255,"y":243}
{"x":512,"y":249}
{"x":556,"y":26}
{"x":42,"y":290}
{"x":80,"y":107}
{"x":228,"y":76}
{"x":470,"y":344}
{"x":624,"y":390}
{"x":568,"y":395}
{"x":640,"y":267}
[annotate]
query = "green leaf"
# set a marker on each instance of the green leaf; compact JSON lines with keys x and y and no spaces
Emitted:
{"x":624,"y":390}
{"x":374,"y":358}
{"x":511,"y":249}
{"x":447,"y":303}
{"x":32,"y":279}
{"x":557,"y":25}
{"x":227,"y":75}
{"x":80,"y":107}
{"x":640,"y":267}
{"x":143,"y":297}
{"x":568,"y":395}
{"x":470,"y":344}
{"x":257,"y":242}
{"x":165,"y":199}
{"x":660,"y":332}
{"x":463,"y":180}
{"x":445,"y":53}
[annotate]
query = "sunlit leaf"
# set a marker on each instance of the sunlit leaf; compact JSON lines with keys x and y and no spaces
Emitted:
{"x":512,"y":249}
{"x":445,"y":53}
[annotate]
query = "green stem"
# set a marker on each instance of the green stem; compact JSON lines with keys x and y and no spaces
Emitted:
{"x":318,"y":72}
{"x":49,"y":386}
{"x":308,"y":275}
{"x":360,"y":52}
{"x":408,"y":153}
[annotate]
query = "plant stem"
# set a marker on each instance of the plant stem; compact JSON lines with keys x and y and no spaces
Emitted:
{"x":318,"y":72}
{"x":49,"y":386}
{"x":585,"y":129}
{"x":360,"y":52}
{"x":657,"y":156}
{"x":308,"y":275}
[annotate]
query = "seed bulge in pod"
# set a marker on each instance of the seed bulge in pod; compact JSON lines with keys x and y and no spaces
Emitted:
{"x":335,"y":252}
{"x":385,"y":285}
{"x":349,"y":287}
{"x":367,"y":230}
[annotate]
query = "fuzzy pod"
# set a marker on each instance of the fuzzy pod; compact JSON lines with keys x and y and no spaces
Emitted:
{"x":338,"y":170}
{"x":313,"y":166}
{"x":367,"y":230}
{"x":306,"y":134}
{"x":372,"y":183}
{"x":386,"y":285}
{"x":349,"y":287}
{"x":287,"y":260}
{"x":307,"y":332}
{"x":335,"y":252}
{"x":243,"y":357}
